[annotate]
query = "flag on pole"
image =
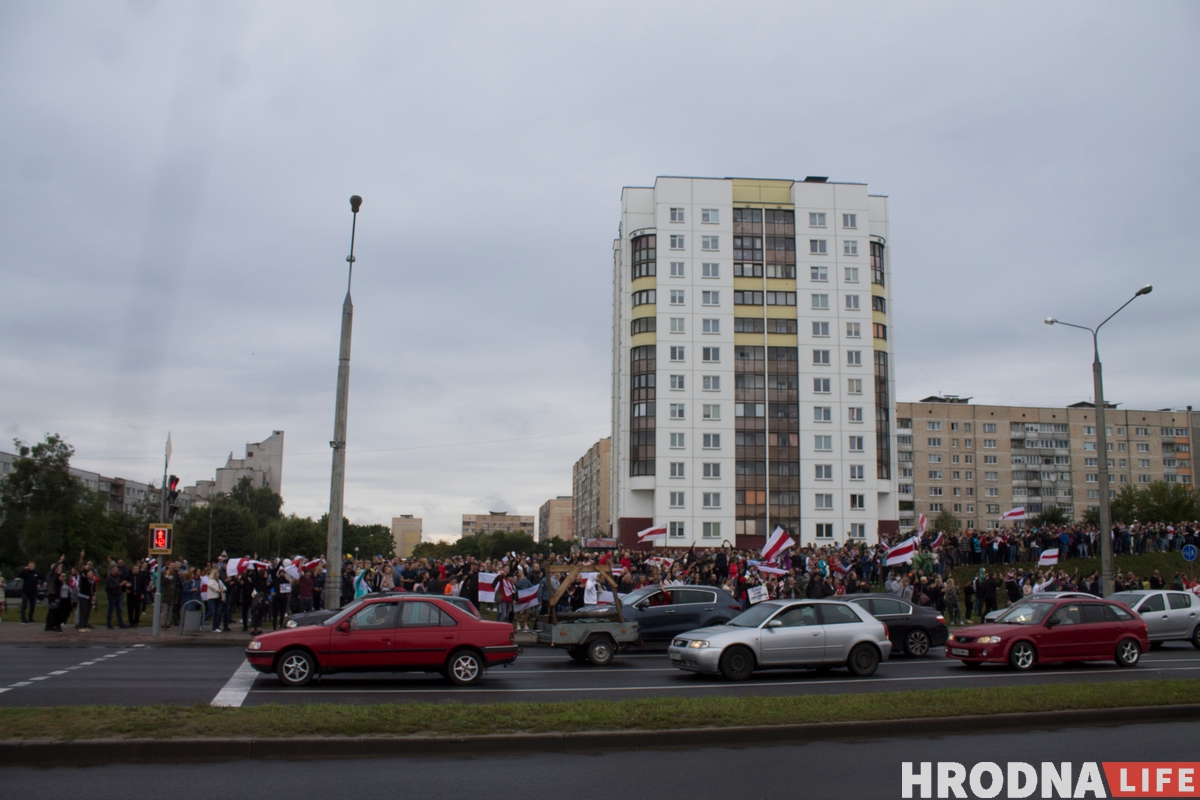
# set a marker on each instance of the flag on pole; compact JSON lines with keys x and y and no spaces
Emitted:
{"x":660,"y":562}
{"x":777,"y":543}
{"x":922,"y":523}
{"x":903,"y":552}
{"x":937,"y":542}
{"x":168,"y":448}
{"x":487,"y":587}
{"x":1048,"y":558}
{"x":770,"y":570}
{"x":1016,"y":513}
{"x":526,"y":598}
{"x":659,"y":532}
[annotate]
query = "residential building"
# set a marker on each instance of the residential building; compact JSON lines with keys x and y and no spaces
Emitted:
{"x":123,"y":494}
{"x":979,"y":461}
{"x":555,"y":520}
{"x":475,"y":524}
{"x":589,"y":491}
{"x":263,"y":465}
{"x":752,"y":369}
{"x":406,"y":534}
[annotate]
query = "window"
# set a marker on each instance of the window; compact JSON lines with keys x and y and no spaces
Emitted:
{"x":676,"y":499}
{"x":851,"y":274}
{"x":854,"y":358}
{"x":822,"y":414}
{"x":849,"y":220}
{"x":712,"y":441}
{"x":677,"y":410}
{"x":1142,"y":431}
{"x":711,"y":411}
{"x":749,"y":409}
{"x":676,"y":215}
{"x":992,"y":492}
{"x":821,"y":330}
{"x":816,"y":247}
{"x":677,"y":353}
{"x":850,"y":247}
{"x":824,"y":530}
{"x":1143,"y":447}
{"x":820,"y":274}
{"x":821,"y":385}
{"x":935,"y":458}
{"x":643,"y":325}
{"x":781,"y":298}
{"x":935,"y":491}
{"x":676,"y":324}
{"x":677,"y":470}
{"x":710,"y":298}
{"x":989,"y":444}
{"x":820,"y":357}
{"x":747,"y":298}
{"x":677,"y":269}
{"x":677,"y":382}
{"x":934,"y":441}
{"x":677,"y":297}
{"x":712,"y":530}
{"x":712,"y":470}
{"x":710,"y":270}
{"x":853,"y":330}
{"x":710,"y":355}
{"x":854,"y":386}
{"x":852,"y":302}
{"x":1143,"y":463}
{"x":677,"y":241}
{"x":643,"y":298}
{"x":824,"y":501}
{"x":712,"y":383}
{"x":931,"y":425}
{"x":1141,"y":478}
{"x":820,"y":302}
{"x":935,"y":474}
{"x":710,"y":242}
{"x":823,"y":444}
{"x":858,"y":530}
{"x":710,"y":216}
{"x":824,"y":472}
{"x":711,"y":499}
{"x":675,"y":530}
{"x":935,"y":508}
{"x":854,"y":414}
{"x":816,"y":219}
{"x":677,"y":441}
{"x":711,"y":325}
{"x":879,"y":331}
{"x":878,"y":304}
{"x":856,"y":472}
{"x":858,"y":502}
{"x":856,"y":444}
{"x":989,"y":427}
{"x":990,"y":476}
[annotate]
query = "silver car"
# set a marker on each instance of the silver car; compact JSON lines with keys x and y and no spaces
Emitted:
{"x":1169,"y":616}
{"x":785,"y":633}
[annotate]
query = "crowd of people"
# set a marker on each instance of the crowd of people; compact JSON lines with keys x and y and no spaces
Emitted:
{"x":253,"y":593}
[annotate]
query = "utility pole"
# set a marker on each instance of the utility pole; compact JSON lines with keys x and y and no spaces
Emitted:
{"x":337,"y":487}
{"x":162,"y":517}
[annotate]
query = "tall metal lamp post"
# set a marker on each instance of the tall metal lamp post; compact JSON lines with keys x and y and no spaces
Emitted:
{"x":1106,"y":545}
{"x":337,"y":487}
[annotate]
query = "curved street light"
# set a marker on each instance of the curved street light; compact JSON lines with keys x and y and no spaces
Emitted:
{"x":1106,"y":547}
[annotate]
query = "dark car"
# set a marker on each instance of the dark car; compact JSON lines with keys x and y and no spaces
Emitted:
{"x":663,"y":612}
{"x":388,"y":633}
{"x":1054,"y":630}
{"x":914,"y":629}
{"x":317,"y":617}
{"x":13,"y":589}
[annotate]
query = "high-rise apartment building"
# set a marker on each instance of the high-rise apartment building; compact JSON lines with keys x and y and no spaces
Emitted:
{"x":752,"y":373}
{"x":406,"y":534}
{"x":263,"y":465}
{"x":554,"y":520}
{"x":979,"y":462}
{"x":589,"y":491}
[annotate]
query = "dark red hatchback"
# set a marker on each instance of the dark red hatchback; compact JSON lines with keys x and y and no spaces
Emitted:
{"x":1054,"y":630}
{"x":388,"y":633}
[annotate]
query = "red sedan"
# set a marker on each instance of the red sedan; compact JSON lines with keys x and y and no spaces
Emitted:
{"x":1054,"y":630}
{"x":389,"y":633}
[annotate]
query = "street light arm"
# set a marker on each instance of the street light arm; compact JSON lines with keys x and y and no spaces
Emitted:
{"x":1113,"y":314}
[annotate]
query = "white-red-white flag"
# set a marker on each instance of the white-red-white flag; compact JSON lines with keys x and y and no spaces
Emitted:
{"x":487,"y":587}
{"x":1048,"y":558}
{"x":770,"y":570}
{"x":903,"y":552}
{"x":922,"y":523}
{"x":650,"y":534}
{"x":526,"y":598}
{"x":777,"y":543}
{"x":1016,"y":513}
{"x":937,"y":542}
{"x":839,"y":569}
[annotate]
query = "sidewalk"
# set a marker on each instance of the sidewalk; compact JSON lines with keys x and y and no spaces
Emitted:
{"x":35,"y":633}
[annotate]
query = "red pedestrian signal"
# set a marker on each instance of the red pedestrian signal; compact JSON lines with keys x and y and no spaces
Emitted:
{"x":160,"y":540}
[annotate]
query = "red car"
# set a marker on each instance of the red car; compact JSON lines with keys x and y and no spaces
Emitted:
{"x":1054,"y":629}
{"x":388,"y":633}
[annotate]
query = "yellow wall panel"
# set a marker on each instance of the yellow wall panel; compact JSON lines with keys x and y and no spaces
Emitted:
{"x":644,"y":310}
{"x":640,"y":339}
{"x":642,"y":284}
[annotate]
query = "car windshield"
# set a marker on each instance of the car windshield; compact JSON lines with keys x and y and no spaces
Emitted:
{"x":1028,"y":613}
{"x":753,"y":616}
{"x":341,"y":615}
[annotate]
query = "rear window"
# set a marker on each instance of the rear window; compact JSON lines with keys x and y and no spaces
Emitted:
{"x":886,"y":606}
{"x":1179,"y":600}
{"x":1093,"y":612}
{"x":694,"y":596}
{"x":838,"y":614}
{"x":423,"y":615}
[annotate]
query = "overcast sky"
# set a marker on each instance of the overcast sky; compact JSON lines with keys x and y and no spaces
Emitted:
{"x":174,"y":219}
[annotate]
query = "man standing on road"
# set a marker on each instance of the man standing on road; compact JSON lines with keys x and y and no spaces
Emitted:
{"x":30,"y":580}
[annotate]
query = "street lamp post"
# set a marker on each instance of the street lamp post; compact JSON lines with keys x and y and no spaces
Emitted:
{"x":1106,"y":545}
{"x":337,"y":484}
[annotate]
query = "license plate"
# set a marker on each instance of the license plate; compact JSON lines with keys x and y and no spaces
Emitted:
{"x":676,"y":657}
{"x":956,"y":651}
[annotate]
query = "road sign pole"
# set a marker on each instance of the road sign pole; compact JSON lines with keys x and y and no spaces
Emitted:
{"x":162,"y":517}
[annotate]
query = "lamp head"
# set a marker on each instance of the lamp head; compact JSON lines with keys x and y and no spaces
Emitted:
{"x":1050,"y":320}
{"x":1147,"y":289}
{"x":355,"y":202}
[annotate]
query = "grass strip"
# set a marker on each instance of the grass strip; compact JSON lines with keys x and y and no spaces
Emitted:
{"x":458,"y":719}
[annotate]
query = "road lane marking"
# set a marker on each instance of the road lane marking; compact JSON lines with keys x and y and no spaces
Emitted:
{"x":2,"y":691}
{"x":86,"y":663}
{"x":41,"y":678}
{"x":19,"y":683}
{"x":234,"y":692}
{"x":59,"y":672}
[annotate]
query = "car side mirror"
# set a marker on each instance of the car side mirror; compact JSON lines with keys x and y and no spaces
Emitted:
{"x":344,"y":626}
{"x":1050,"y":623}
{"x":642,"y":606}
{"x":774,"y":624}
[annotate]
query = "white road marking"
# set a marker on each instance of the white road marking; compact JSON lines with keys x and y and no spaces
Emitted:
{"x":19,"y":683}
{"x":234,"y":692}
{"x":86,"y":663}
{"x":2,"y":691}
{"x":41,"y":678}
{"x":59,"y":672}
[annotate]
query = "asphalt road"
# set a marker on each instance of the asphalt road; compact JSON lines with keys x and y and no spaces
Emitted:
{"x":48,"y":675}
{"x":827,"y":770}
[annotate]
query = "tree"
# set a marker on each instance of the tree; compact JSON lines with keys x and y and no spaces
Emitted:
{"x":945,"y":522}
{"x":1124,"y":507}
{"x":1051,"y":515}
{"x":1167,"y":502}
{"x":1091,"y":517}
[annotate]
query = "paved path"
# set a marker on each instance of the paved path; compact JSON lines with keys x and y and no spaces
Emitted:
{"x":46,"y":675}
{"x":826,"y":770}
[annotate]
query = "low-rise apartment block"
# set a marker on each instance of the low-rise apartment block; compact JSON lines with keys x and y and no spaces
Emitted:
{"x":475,"y":524}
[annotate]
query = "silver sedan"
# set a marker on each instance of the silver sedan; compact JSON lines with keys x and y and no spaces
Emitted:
{"x":786,"y":633}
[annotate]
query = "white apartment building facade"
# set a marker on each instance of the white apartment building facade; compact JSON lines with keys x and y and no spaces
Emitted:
{"x":753,"y":382}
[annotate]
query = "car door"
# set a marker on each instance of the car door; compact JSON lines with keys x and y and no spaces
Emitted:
{"x":842,"y":626}
{"x":799,"y":638}
{"x":896,"y":614}
{"x":425,"y":635}
{"x":689,"y":606}
{"x":655,"y":615}
{"x":1181,"y":613}
{"x":1153,"y":611}
{"x":364,"y":640}
{"x":1065,"y":637}
{"x":1100,"y":635}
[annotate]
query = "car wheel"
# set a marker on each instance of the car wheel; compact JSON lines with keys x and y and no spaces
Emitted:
{"x":737,"y":663}
{"x":465,"y":668}
{"x":600,"y":651}
{"x":295,"y":668}
{"x":863,"y":661}
{"x":1196,"y":638}
{"x":916,"y":644}
{"x":1128,"y":653}
{"x":1022,"y":657}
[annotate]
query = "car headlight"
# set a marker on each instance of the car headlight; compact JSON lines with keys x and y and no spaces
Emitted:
{"x":697,"y":644}
{"x":255,"y":645}
{"x":291,"y":623}
{"x":679,"y":643}
{"x":988,"y":639}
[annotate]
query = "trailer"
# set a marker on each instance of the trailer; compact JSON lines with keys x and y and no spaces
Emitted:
{"x":594,"y":637}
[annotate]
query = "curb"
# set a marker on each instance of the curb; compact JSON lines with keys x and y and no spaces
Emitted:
{"x":48,"y":753}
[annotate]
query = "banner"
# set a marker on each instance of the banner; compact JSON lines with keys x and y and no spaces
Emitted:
{"x":756,"y":594}
{"x":777,"y":543}
{"x":903,"y":552}
{"x":653,"y":533}
{"x":1016,"y":513}
{"x":526,"y":598}
{"x":1048,"y":558}
{"x":770,"y":570}
{"x":487,"y":587}
{"x":660,"y":562}
{"x":601,"y":544}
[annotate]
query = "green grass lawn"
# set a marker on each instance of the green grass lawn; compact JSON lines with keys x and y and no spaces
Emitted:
{"x":456,"y":719}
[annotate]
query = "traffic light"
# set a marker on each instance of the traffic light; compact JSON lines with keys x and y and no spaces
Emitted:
{"x":172,"y":497}
{"x":160,"y":539}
